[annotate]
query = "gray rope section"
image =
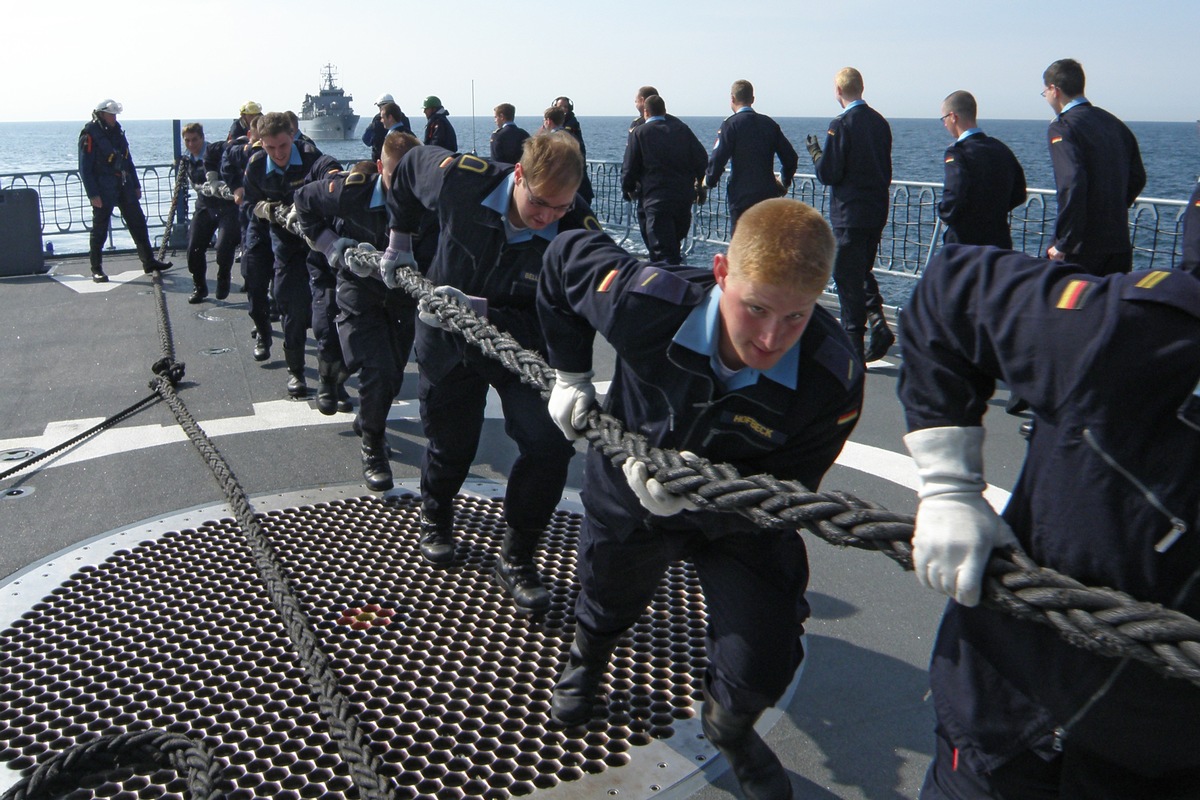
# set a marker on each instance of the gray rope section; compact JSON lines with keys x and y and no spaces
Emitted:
{"x":1103,"y":621}
{"x":142,"y":751}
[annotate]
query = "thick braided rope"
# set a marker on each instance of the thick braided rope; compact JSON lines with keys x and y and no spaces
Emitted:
{"x":142,"y":750}
{"x":1102,"y":621}
{"x":364,"y":765}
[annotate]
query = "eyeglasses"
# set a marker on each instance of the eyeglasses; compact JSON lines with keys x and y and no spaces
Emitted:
{"x":947,"y":114}
{"x":1048,"y":89}
{"x":534,"y":200}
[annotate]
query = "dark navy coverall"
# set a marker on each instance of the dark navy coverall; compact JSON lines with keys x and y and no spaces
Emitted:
{"x":107,"y":171}
{"x":212,"y":215}
{"x":1108,"y":495}
{"x":751,"y":140}
{"x":296,"y":265}
{"x":790,"y":421}
{"x":664,"y":162}
{"x":475,"y":255}
{"x":984,"y":181}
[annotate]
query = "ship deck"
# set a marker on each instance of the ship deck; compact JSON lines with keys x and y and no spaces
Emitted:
{"x":130,"y":600}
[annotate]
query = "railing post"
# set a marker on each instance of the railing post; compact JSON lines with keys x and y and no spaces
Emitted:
{"x":179,"y":230}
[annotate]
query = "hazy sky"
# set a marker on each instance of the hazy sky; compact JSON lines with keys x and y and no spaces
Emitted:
{"x":201,"y":60}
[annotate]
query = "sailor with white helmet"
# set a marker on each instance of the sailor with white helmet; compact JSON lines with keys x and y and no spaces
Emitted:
{"x":110,"y":180}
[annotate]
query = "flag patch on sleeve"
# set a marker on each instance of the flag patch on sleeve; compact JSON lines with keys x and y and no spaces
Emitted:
{"x":1075,"y":294}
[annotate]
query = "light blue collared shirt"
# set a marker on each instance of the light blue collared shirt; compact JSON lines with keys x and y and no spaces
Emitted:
{"x":659,"y":118}
{"x":969,"y":132}
{"x":377,"y":198}
{"x":499,"y":201}
{"x":293,"y":161}
{"x":1078,"y":101}
{"x":701,"y":333}
{"x":853,"y":104}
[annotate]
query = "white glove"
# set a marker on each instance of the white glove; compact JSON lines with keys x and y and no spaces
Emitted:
{"x":398,"y":254}
{"x":426,"y":315}
{"x":956,"y":529}
{"x":213,"y":179}
{"x":358,"y":263}
{"x":334,"y":247}
{"x":653,"y":496}
{"x":570,"y":400}
{"x":292,"y":220}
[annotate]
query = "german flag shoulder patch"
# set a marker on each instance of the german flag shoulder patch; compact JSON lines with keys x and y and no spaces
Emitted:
{"x":1075,"y":294}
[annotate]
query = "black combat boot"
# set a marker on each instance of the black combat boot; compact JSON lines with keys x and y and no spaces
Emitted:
{"x":758,"y":770}
{"x":517,"y":574}
{"x":377,"y":469}
{"x":262,"y":344}
{"x":575,"y":692}
{"x":98,"y":275}
{"x":881,"y":338}
{"x":343,"y":397}
{"x":150,"y":264}
{"x":296,"y":386}
{"x":437,"y":541}
{"x":223,"y":283}
{"x":199,"y":292}
{"x":327,"y":400}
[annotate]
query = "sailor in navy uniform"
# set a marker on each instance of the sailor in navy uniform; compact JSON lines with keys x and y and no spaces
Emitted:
{"x":1098,"y":174}
{"x":256,"y":270}
{"x":376,"y":324}
{"x":664,"y":165}
{"x":984,"y":180}
{"x":212,"y":214}
{"x":273,"y":174}
{"x":856,"y":163}
{"x":110,"y":181}
{"x":571,"y":125}
{"x":240,"y":127}
{"x":751,"y":141}
{"x":1191,"y":233}
{"x":438,"y":130}
{"x":736,"y":363}
{"x":507,"y":139}
{"x":496,"y":221}
{"x":391,"y":118}
{"x":1108,"y":495}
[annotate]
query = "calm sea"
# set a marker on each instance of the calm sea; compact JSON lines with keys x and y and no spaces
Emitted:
{"x":1170,"y":150}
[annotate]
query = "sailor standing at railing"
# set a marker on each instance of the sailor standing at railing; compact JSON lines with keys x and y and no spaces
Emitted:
{"x":213,"y":214}
{"x":856,"y":165}
{"x":110,"y":181}
{"x":495,"y":222}
{"x":1098,"y":172}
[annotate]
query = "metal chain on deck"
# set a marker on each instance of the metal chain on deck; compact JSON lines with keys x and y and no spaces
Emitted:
{"x":1103,"y":621}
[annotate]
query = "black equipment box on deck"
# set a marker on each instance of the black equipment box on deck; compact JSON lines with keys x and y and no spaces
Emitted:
{"x":20,"y":233}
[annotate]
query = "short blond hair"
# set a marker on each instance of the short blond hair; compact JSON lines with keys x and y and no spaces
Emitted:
{"x":397,"y":143}
{"x":850,"y":81}
{"x":783,"y":242}
{"x":552,"y":162}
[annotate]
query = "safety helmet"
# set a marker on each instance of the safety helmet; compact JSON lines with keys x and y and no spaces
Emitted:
{"x":384,"y":99}
{"x":432,"y":102}
{"x":250,"y":107}
{"x":109,"y":106}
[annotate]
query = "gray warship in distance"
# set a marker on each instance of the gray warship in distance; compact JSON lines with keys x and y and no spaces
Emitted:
{"x":328,"y":114}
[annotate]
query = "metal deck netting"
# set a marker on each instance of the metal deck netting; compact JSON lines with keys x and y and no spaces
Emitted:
{"x":450,"y":685}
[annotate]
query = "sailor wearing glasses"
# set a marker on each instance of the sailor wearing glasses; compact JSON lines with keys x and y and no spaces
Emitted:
{"x":496,"y":221}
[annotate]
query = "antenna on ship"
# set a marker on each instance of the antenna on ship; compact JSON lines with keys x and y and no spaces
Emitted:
{"x":473,"y":117}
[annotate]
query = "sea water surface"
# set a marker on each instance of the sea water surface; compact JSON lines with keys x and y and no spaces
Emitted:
{"x":1170,"y":150}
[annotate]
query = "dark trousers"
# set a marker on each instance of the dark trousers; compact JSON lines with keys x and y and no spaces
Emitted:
{"x":664,"y":227}
{"x":324,"y":312}
{"x":753,"y":587}
{"x":452,"y":414}
{"x":293,"y":294}
{"x":1102,"y":264}
{"x":1069,"y":775}
{"x":376,"y":326}
{"x":223,"y":221}
{"x":135,"y":223}
{"x":857,"y":290}
{"x":258,"y":270}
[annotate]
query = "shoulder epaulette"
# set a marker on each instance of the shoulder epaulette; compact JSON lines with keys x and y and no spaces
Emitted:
{"x":355,"y":178}
{"x":663,"y":284}
{"x":1171,"y":287}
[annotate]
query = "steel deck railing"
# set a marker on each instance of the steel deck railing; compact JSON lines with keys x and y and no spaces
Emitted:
{"x":912,"y":234}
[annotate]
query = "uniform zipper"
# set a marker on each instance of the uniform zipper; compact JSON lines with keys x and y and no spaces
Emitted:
{"x":1178,"y":526}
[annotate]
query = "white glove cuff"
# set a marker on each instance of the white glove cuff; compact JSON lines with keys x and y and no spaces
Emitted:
{"x":325,"y":241}
{"x":399,"y":242}
{"x":948,"y":460}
